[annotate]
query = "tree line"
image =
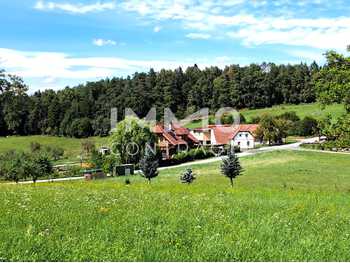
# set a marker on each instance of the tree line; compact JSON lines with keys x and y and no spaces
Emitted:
{"x":84,"y":110}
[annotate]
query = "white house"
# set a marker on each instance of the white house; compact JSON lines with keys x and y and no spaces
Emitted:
{"x":237,"y":135}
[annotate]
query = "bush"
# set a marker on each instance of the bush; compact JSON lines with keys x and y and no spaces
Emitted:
{"x":109,"y":162}
{"x":188,"y":177}
{"x":192,"y":155}
{"x":35,"y":147}
{"x":54,"y":152}
{"x":289,"y":116}
{"x":307,"y":127}
{"x":231,"y":167}
{"x":18,"y":166}
{"x":81,"y":128}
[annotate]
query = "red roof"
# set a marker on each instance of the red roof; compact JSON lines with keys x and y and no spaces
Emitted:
{"x":191,"y":137}
{"x":179,"y":130}
{"x":158,"y":129}
{"x":224,"y":133}
{"x":176,"y":136}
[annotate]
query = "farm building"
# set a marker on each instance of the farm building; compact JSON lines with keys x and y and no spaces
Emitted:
{"x":173,"y":138}
{"x":236,"y":135}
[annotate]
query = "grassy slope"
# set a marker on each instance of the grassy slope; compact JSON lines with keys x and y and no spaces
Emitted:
{"x":302,"y":110}
{"x":71,"y":146}
{"x":286,"y":206}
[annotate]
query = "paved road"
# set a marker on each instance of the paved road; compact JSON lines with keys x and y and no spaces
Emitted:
{"x":291,"y":146}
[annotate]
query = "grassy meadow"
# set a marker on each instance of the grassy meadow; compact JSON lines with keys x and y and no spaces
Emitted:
{"x":286,"y":206}
{"x":71,"y":146}
{"x":313,"y":109}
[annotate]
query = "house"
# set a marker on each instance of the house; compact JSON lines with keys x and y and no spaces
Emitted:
{"x":173,"y":138}
{"x":237,"y":135}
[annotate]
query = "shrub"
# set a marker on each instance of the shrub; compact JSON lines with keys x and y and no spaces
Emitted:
{"x":54,"y":152}
{"x":149,"y":165}
{"x":188,"y":177}
{"x":109,"y":162}
{"x":18,"y":166}
{"x":289,"y":116}
{"x":38,"y":165}
{"x":231,"y":167}
{"x":35,"y":147}
{"x":87,"y":146}
{"x":307,"y":127}
{"x":12,"y":166}
{"x":81,"y":128}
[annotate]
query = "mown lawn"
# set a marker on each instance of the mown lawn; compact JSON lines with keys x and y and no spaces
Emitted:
{"x":313,"y":109}
{"x":287,"y":206}
{"x":71,"y":146}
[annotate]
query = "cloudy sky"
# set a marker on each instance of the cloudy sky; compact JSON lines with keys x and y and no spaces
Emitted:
{"x":54,"y":43}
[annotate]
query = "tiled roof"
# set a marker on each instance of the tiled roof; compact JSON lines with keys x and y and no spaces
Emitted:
{"x":224,"y":133}
{"x":175,"y":136}
{"x":191,"y":137}
{"x":158,"y":129}
{"x":179,"y":130}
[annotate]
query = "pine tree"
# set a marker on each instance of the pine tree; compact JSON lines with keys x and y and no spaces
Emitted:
{"x":188,"y":177}
{"x":149,"y":165}
{"x":231,"y":166}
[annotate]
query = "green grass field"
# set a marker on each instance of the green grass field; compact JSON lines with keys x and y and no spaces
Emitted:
{"x":71,"y":146}
{"x":313,"y":109}
{"x":286,"y":206}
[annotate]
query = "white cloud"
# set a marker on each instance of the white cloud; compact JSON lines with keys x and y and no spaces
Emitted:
{"x":232,"y":18}
{"x":156,"y":29}
{"x":64,"y":66}
{"x":198,"y":36}
{"x":76,"y":8}
{"x":316,"y":33}
{"x":102,"y":42}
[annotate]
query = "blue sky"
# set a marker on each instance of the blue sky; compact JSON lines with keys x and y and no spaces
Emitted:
{"x":54,"y":43}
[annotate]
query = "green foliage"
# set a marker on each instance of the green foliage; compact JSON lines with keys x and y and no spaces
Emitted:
{"x":272,"y":129}
{"x":18,"y":166}
{"x":84,"y":110}
{"x":35,"y":147}
{"x":192,"y":155}
{"x":38,"y":165}
{"x":130,"y":139}
{"x":308,"y":126}
{"x":333,"y":81}
{"x":337,"y":133}
{"x":97,"y":159}
{"x":12,"y":166}
{"x":81,"y":128}
{"x":54,"y":152}
{"x":109,"y":162}
{"x":188,"y":176}
{"x":230,"y":166}
{"x":149,"y":165}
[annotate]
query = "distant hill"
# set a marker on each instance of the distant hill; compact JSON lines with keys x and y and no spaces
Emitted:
{"x":314,"y":110}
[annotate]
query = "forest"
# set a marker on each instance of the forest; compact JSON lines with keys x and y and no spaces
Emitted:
{"x":84,"y":110}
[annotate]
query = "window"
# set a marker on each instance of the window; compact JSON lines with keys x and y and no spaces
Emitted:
{"x":246,"y":135}
{"x":248,"y":143}
{"x":239,"y":143}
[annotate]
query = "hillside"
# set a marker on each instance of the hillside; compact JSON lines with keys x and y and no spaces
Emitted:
{"x":313,"y":109}
{"x":71,"y":146}
{"x":287,"y":206}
